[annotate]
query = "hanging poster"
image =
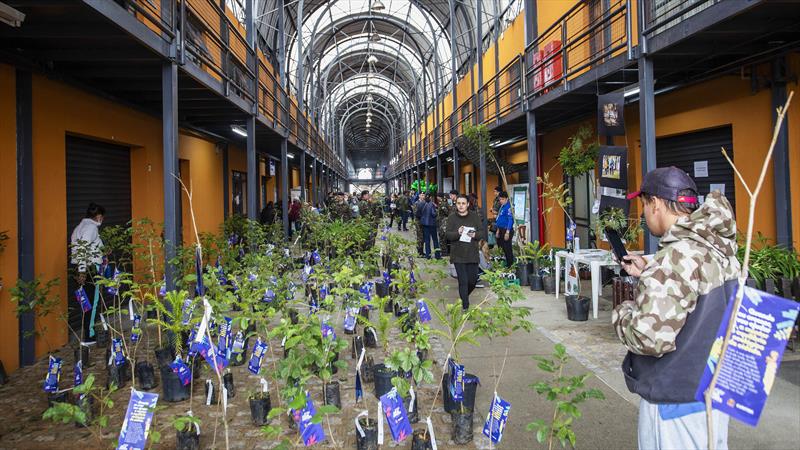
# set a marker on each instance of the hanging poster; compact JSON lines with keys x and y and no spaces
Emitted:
{"x":611,"y":114}
{"x":763,"y":325}
{"x":612,"y":166}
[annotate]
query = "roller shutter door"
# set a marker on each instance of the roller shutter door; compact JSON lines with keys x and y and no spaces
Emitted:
{"x":684,"y":150}
{"x":101,"y":173}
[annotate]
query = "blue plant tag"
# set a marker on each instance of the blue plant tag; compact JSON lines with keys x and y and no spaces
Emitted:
{"x":412,"y":282}
{"x":182,"y":370}
{"x":215,"y":360}
{"x":221,"y":272}
{"x":571,"y":231}
{"x":238,"y":343}
{"x":190,"y":341}
{"x":496,"y":419}
{"x":252,"y":277}
{"x":269,"y":296}
{"x":113,"y":290}
{"x":83,"y":299}
{"x":53,"y":374}
{"x":315,"y":258}
{"x":138,"y":417}
{"x":162,"y":290}
{"x":136,"y":329}
{"x":117,"y":351}
{"x":292,"y":289}
{"x":187,"y":309}
{"x":78,"y":373}
{"x":199,"y":287}
{"x":359,"y":388}
{"x":323,"y":292}
{"x":387,"y":279}
{"x":312,"y":433}
{"x":456,"y":381}
{"x":307,"y":271}
{"x":396,"y":415}
{"x":366,"y":291}
{"x":422,"y":310}
{"x":257,"y":356}
{"x":327,"y":331}
{"x":224,"y":340}
{"x":350,"y":320}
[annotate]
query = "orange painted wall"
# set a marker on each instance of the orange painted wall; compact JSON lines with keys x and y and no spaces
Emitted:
{"x":9,"y":353}
{"x":58,"y":110}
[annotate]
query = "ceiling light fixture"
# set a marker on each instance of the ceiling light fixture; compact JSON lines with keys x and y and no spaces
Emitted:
{"x":290,"y":155}
{"x":239,"y":130}
{"x":372,"y":59}
{"x":375,"y":37}
{"x":369,"y":113}
{"x":377,"y":5}
{"x":14,"y":18}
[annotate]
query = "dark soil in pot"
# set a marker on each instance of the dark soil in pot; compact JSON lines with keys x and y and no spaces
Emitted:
{"x":188,"y":439}
{"x":171,"y":386}
{"x":260,"y":406}
{"x":577,"y":308}
{"x":210,"y":398}
{"x":227,"y":381}
{"x":358,"y":345}
{"x":165,"y":356}
{"x":332,"y":396}
{"x":383,"y":379}
{"x":421,"y":440}
{"x":536,"y":283}
{"x":462,"y":426}
{"x":145,"y":375}
{"x":370,"y":439}
{"x":370,"y":337}
{"x":57,"y":397}
{"x":549,"y":284}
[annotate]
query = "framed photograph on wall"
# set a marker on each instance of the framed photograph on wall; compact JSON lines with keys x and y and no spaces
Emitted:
{"x":611,"y":114}
{"x":612,"y":167}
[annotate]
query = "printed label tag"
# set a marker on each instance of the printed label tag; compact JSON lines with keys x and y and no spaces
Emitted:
{"x":136,"y":329}
{"x":422,"y":311}
{"x":79,"y":373}
{"x":138,"y":417}
{"x":238,"y":343}
{"x":187,"y":309}
{"x":387,"y":279}
{"x":350,"y":320}
{"x":366,"y":291}
{"x":83,"y":299}
{"x":224,"y":340}
{"x":113,"y":290}
{"x":182,"y":370}
{"x":327,"y":331}
{"x":53,"y":374}
{"x":257,"y":356}
{"x":456,"y":381}
{"x":323,"y":292}
{"x":496,"y":419}
{"x":117,"y":351}
{"x":395,"y":412}
{"x":311,"y":433}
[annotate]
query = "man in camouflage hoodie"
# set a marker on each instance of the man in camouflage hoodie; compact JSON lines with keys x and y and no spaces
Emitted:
{"x":682,"y":294}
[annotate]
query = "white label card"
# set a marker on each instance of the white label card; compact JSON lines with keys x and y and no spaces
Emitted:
{"x":701,"y":169}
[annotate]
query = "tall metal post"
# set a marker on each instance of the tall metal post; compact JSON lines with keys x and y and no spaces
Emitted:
{"x":456,"y":171}
{"x":303,"y":178}
{"x":169,"y":118}
{"x":647,"y":121}
{"x":531,"y":33}
{"x":300,"y":79}
{"x":284,"y":142}
{"x":479,"y":103}
{"x":439,"y":173}
{"x":252,"y":161}
{"x":226,"y":209}
{"x":783,"y":185}
{"x":285,"y":184}
{"x":314,"y":188}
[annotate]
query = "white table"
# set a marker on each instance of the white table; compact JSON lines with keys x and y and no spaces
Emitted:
{"x":595,"y":259}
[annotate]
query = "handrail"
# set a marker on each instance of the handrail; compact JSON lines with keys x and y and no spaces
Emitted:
{"x":654,"y":24}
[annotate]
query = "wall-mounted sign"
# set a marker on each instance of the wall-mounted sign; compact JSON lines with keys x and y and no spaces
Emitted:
{"x":701,"y":169}
{"x":272,"y":168}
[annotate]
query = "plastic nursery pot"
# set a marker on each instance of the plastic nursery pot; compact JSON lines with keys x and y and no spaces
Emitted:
{"x":470,"y":390}
{"x":549,"y":284}
{"x":333,"y":367}
{"x":370,"y":439}
{"x":145,"y":375}
{"x":422,"y":355}
{"x":462,"y":426}
{"x":785,"y":287}
{"x":86,"y":404}
{"x":769,"y":285}
{"x":407,"y":322}
{"x":364,"y":312}
{"x":535,"y":281}
{"x":332,"y":396}
{"x":381,"y":290}
{"x":421,"y":440}
{"x":211,"y":389}
{"x":413,"y":413}
{"x":370,"y":337}
{"x":260,"y":406}
{"x":238,"y":359}
{"x":751,"y":282}
{"x":81,"y":353}
{"x":116,"y":374}
{"x":165,"y":356}
{"x":368,"y":370}
{"x":188,"y":439}
{"x":399,"y":310}
{"x":577,"y":308}
{"x":358,"y":345}
{"x":523,"y":272}
{"x":293,"y":316}
{"x":383,"y":379}
{"x":171,"y":386}
{"x":101,"y":336}
{"x":57,"y":397}
{"x":227,"y":381}
{"x":796,"y":288}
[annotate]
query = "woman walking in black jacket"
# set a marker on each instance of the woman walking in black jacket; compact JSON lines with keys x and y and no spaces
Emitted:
{"x":464,"y":232}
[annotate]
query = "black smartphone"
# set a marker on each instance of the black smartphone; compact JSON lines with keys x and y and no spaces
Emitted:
{"x":616,"y":244}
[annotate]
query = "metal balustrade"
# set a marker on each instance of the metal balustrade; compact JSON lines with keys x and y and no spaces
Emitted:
{"x":659,"y":15}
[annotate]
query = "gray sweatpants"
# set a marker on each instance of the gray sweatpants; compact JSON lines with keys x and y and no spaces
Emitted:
{"x":682,"y":433}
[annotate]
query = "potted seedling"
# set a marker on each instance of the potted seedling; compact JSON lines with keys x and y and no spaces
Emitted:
{"x":91,"y":411}
{"x":187,"y":434}
{"x":174,"y":319}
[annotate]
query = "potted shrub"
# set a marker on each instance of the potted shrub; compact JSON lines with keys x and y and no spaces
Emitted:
{"x":260,"y":406}
{"x":170,"y":319}
{"x":187,"y":429}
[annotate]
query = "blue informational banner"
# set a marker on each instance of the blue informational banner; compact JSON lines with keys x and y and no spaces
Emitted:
{"x":763,"y":325}
{"x":496,"y":419}
{"x":133,"y":435}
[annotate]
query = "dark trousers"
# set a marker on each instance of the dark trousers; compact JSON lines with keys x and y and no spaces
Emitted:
{"x":507,"y":246}
{"x":467,"y":279}
{"x":430,"y":232}
{"x":404,"y":219}
{"x":391,"y":218}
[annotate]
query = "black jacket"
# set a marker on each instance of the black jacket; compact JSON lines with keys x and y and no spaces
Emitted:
{"x":464,"y":252}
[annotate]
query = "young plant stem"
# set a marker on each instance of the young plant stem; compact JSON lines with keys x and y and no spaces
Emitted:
{"x":753,"y":198}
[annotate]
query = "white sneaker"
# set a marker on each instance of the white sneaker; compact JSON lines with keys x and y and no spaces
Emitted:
{"x":480,"y":285}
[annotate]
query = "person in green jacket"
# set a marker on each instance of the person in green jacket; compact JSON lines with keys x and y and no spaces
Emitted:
{"x":464,"y":232}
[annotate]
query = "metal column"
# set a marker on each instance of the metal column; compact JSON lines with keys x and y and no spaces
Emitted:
{"x":169,"y":113}
{"x":25,"y":235}
{"x":303,"y":179}
{"x":783,"y":185}
{"x":285,"y":185}
{"x":314,"y":188}
{"x":225,"y":182}
{"x":439,"y":173}
{"x":647,"y":130}
{"x":531,"y":32}
{"x":479,"y":104}
{"x":252,"y":162}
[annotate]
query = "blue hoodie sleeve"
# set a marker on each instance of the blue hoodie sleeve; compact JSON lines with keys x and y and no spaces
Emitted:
{"x":505,"y":221}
